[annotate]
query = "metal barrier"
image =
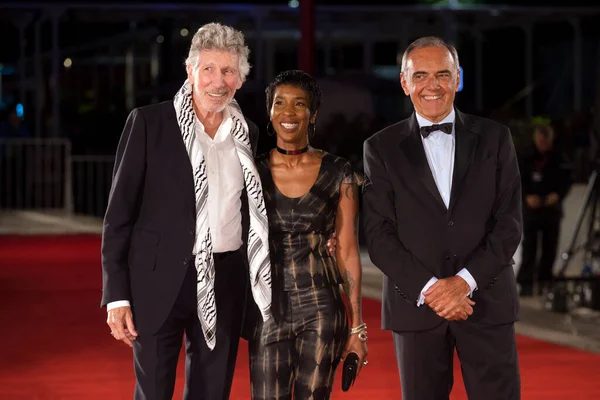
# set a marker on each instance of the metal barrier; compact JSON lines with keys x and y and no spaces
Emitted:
{"x":35,"y":174}
{"x":92,"y":177}
{"x":42,"y":175}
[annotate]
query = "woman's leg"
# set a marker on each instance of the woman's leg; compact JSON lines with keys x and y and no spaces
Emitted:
{"x":321,"y":327}
{"x":272,"y":356}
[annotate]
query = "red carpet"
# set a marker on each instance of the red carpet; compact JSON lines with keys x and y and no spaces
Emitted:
{"x":55,"y":344}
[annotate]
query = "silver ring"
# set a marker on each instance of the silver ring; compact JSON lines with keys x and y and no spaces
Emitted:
{"x":362,"y":336}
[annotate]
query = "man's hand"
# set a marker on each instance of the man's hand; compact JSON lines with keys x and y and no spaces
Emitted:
{"x":331,"y":243}
{"x":551,"y":199}
{"x":120,"y":321}
{"x":533,"y":201}
{"x":448,"y":298}
{"x":463,"y":312}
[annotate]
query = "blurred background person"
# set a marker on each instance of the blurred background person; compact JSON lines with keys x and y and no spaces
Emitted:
{"x":546,"y":175}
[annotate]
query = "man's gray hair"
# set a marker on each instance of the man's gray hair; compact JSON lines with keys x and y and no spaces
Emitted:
{"x":215,"y":36}
{"x":428,"y":41}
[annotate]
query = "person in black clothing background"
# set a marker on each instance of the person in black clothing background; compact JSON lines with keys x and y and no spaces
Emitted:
{"x":546,"y":176}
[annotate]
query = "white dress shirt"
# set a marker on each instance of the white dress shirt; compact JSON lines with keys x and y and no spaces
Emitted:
{"x":439,"y":150}
{"x":225,"y":185}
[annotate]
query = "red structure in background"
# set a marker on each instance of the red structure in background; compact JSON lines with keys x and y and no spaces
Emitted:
{"x":307,"y":49}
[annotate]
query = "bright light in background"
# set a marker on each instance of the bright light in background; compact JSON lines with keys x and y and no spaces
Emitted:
{"x":68,"y":62}
{"x":184,"y":32}
{"x":461,"y":81}
{"x":19,"y":109}
{"x":160,"y":39}
{"x":293,"y":3}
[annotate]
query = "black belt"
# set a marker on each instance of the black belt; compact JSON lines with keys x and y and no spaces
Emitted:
{"x":224,"y":255}
{"x":219,"y":256}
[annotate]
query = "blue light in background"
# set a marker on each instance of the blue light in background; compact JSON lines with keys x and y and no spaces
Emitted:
{"x":6,"y":70}
{"x":19,"y":110}
{"x":293,"y":3}
{"x":460,"y":83}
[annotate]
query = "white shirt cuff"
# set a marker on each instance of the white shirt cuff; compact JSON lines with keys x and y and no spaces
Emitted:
{"x":116,"y":304}
{"x":427,"y":286}
{"x":466,"y":275}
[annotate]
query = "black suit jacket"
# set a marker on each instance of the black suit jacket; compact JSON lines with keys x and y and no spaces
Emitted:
{"x":412,"y":236}
{"x":149,"y":226}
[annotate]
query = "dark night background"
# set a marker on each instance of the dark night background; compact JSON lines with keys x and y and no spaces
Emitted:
{"x":93,"y":103}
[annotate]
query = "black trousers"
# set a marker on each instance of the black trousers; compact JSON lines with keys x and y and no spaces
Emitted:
{"x":488,"y":358}
{"x":296,"y":355}
{"x":535,"y":223}
{"x":209,"y":374}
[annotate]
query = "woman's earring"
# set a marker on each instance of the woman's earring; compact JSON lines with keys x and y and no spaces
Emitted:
{"x":270,"y":129}
{"x":312,"y":128}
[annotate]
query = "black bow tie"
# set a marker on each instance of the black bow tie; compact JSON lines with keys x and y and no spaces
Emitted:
{"x":446,"y":128}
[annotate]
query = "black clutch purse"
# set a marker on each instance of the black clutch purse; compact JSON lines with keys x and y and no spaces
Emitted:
{"x":349,"y":371}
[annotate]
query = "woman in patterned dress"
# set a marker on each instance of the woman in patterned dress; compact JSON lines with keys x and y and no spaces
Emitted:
{"x":309,"y":194}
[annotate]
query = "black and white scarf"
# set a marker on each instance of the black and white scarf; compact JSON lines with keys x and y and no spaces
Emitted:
{"x":258,"y":248}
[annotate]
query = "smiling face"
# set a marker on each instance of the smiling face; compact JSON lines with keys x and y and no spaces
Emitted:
{"x":291,"y":116}
{"x":215,"y":79}
{"x":431,"y":79}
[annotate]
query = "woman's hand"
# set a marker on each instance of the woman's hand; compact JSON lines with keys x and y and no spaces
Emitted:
{"x":359,"y":347}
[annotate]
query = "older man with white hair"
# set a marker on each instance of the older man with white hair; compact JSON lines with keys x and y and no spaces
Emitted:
{"x":185,"y":232}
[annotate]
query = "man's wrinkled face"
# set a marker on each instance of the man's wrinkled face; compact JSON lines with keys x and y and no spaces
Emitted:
{"x":431,"y":79}
{"x":215,"y":79}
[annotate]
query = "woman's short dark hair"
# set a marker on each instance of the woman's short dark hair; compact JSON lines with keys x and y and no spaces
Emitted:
{"x":299,"y":79}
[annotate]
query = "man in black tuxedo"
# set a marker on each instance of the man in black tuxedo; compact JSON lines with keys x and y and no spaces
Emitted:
{"x":186,"y":227}
{"x":442,"y":217}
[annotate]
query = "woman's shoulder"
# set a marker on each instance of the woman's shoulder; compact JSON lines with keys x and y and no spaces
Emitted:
{"x":335,"y":161}
{"x":343,"y":167}
{"x":329,"y":157}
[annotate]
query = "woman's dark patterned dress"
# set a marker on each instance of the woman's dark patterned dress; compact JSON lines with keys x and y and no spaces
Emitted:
{"x":299,"y":349}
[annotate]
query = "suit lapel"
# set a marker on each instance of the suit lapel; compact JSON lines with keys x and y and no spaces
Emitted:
{"x":413,"y":149}
{"x":465,"y":144}
{"x":181,"y":159}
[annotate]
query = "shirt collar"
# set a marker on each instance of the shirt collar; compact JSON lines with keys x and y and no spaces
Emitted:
{"x":449,"y":118}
